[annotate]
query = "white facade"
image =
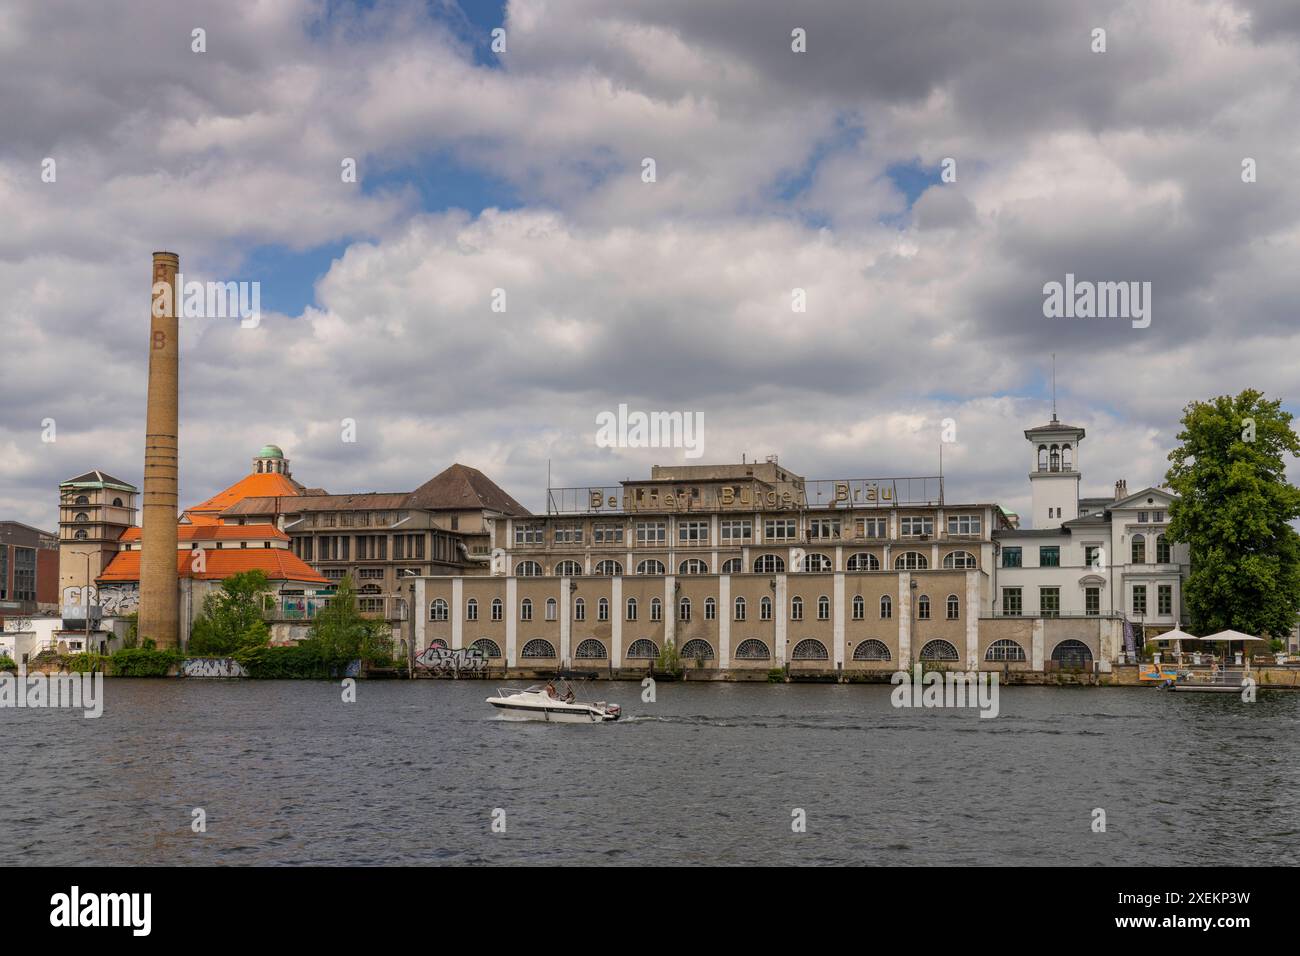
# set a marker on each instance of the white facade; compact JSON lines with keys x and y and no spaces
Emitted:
{"x":1092,"y":556}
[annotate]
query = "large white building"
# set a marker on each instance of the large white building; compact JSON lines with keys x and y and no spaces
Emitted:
{"x":1089,"y":556}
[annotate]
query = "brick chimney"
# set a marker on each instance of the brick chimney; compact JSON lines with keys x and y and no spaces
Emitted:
{"x":1121,"y":489}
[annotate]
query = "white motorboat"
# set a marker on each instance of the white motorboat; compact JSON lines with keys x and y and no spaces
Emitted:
{"x":549,"y":703}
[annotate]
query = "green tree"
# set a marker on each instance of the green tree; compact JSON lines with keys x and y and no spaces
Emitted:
{"x":339,"y":632}
{"x":1234,"y":511}
{"x":231,"y":619}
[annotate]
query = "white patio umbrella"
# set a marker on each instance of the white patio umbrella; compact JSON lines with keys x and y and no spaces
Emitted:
{"x":1229,"y":636}
{"x":1177,"y":635}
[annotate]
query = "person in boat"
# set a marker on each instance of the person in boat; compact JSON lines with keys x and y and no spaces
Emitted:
{"x":550,"y":692}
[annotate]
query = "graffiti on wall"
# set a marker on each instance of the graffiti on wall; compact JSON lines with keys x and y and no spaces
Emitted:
{"x":442,"y":660}
{"x":114,"y":600}
{"x":212,"y":667}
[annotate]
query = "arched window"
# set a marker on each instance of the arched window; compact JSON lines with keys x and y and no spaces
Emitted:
{"x":82,"y":500}
{"x":859,"y":607}
{"x":650,"y":566}
{"x":471,"y":610}
{"x":1042,"y":458}
{"x":1067,"y":459}
{"x":796,"y":608}
{"x":765,"y":609}
{"x":959,"y":559}
{"x":631,"y":609}
{"x":590,"y":650}
{"x":568,"y":569}
{"x":752,"y":650}
{"x":816,"y":563}
{"x":733,"y":566}
{"x":1072,"y":654}
{"x":81,"y":516}
{"x":81,"y":534}
{"x":872,"y":650}
{"x":489,"y":647}
{"x":864,"y":561}
{"x":1056,"y":458}
{"x":1162,"y":550}
{"x":528,"y":569}
{"x":538,"y":648}
{"x":823,"y":608}
{"x":740,"y":609}
{"x":496,"y":609}
{"x":911,"y":561}
{"x":117,"y":502}
{"x":697,"y":650}
{"x":886,"y":607}
{"x":602,"y":609}
{"x":438,"y":610}
{"x":939,"y":651}
{"x":526,"y":609}
{"x":656,"y":609}
{"x":693,"y":566}
{"x":609,"y":568}
{"x":1139,"y":549}
{"x":809,"y":650}
{"x":684,"y":609}
{"x":552,"y":609}
{"x":1004,"y":650}
{"x":954,"y":607}
{"x":769,"y":564}
{"x":439,"y":643}
{"x":642,"y":650}
{"x":923,"y":608}
{"x":579,"y":610}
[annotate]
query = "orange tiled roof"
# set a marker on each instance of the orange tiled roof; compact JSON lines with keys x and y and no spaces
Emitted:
{"x":267,"y":485}
{"x":212,"y":531}
{"x":280,"y":564}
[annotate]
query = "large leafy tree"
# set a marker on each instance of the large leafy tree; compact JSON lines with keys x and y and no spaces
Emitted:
{"x":340,"y":632}
{"x":1234,"y":511}
{"x":232,"y":617}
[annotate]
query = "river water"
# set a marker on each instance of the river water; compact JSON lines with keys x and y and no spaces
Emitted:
{"x":416,"y":773}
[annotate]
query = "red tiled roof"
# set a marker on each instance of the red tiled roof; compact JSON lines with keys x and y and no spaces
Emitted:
{"x":267,"y":485}
{"x":279,"y":564}
{"x":211,"y":531}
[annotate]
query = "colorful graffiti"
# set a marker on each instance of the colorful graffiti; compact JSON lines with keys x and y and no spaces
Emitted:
{"x":443,"y":660}
{"x":114,"y":600}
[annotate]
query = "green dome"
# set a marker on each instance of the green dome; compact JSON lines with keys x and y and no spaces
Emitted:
{"x":270,"y":451}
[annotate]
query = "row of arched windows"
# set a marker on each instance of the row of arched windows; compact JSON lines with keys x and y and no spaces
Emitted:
{"x":1055,"y":458}
{"x":813,"y":563}
{"x":1068,"y":652}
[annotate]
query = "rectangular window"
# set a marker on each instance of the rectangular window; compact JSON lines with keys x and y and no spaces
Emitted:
{"x":529,"y":533}
{"x":873,"y":527}
{"x":651,"y":532}
{"x":913,"y":526}
{"x":370,"y":574}
{"x":1092,"y":556}
{"x":1139,"y":599}
{"x":1143,"y":517}
{"x":737,"y":529}
{"x":1049,"y":602}
{"x":1158,"y":516}
{"x":568,"y":534}
{"x":1165,"y":599}
{"x":693,"y":532}
{"x":1011,"y":557}
{"x":1049,"y":557}
{"x":1092,"y":601}
{"x":964,"y":525}
{"x":1012,"y":604}
{"x":824,"y":528}
{"x":779,"y":529}
{"x":607,"y":534}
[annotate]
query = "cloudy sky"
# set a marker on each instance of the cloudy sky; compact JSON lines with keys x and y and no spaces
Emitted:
{"x":522,"y":171}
